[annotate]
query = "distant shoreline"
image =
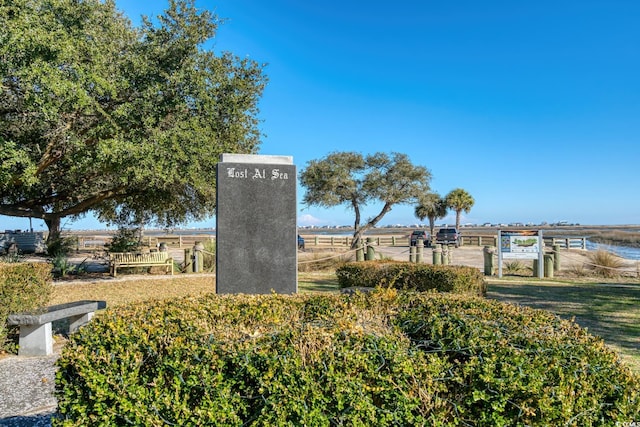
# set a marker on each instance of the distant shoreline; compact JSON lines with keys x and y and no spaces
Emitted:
{"x":619,"y":235}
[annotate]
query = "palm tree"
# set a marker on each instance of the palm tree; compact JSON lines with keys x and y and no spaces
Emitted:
{"x":431,"y":206}
{"x":459,"y":200}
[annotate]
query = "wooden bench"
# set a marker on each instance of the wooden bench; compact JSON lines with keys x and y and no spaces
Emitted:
{"x":36,"y":337}
{"x":132,"y":259}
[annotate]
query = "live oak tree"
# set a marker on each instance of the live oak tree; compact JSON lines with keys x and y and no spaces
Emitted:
{"x":349,"y":178}
{"x":459,"y":200}
{"x":127,"y":122}
{"x":432,"y":206}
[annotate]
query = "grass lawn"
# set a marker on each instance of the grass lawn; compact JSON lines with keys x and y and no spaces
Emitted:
{"x":134,"y":289}
{"x":611,"y":311}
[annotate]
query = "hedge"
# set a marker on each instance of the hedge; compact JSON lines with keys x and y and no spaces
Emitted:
{"x":23,"y":287}
{"x":412,"y":276}
{"x":383,"y":358}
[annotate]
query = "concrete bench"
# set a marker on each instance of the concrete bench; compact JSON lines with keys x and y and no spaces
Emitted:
{"x":132,"y":259}
{"x":36,"y":337}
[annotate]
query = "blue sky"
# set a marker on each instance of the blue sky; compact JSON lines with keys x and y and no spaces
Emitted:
{"x":531,"y":107}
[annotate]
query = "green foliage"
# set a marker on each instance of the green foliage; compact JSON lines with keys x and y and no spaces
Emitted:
{"x":459,"y":200}
{"x":411,"y":276}
{"x":514,"y":267}
{"x":516,"y":366}
{"x":382,"y":358}
{"x":62,"y":246}
{"x":62,"y":266}
{"x":23,"y":287}
{"x":432,"y":206}
{"x":128,"y":122}
{"x":126,"y":240}
{"x":11,"y":257}
{"x":349,"y":178}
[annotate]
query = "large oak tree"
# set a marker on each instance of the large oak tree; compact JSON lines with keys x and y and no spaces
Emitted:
{"x":349,"y":178}
{"x":127,"y":122}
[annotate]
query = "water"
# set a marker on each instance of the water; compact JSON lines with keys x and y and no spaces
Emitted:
{"x":623,"y":251}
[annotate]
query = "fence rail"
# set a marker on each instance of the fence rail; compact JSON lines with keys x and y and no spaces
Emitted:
{"x":567,"y":242}
{"x":173,"y":241}
{"x":186,"y":241}
{"x":467,"y":240}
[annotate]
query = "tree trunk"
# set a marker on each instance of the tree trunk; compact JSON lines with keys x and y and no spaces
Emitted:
{"x":432,"y":225}
{"x":53,"y":224}
{"x":357,"y":237}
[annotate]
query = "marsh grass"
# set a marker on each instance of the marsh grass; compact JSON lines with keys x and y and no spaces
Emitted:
{"x":605,"y":264}
{"x":616,"y":237}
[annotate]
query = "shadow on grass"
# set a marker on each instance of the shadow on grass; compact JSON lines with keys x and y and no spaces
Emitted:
{"x":609,"y":311}
{"x":318,"y":285}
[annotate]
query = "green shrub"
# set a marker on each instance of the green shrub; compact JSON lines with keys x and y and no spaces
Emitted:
{"x":126,"y":240}
{"x":412,"y":276}
{"x":23,"y":287}
{"x":383,"y":358}
{"x":513,"y":365}
{"x":62,"y":246}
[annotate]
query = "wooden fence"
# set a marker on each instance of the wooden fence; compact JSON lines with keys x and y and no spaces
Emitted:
{"x":186,"y":241}
{"x":99,"y":242}
{"x":467,"y":240}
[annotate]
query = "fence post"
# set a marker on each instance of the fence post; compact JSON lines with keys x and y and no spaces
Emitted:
{"x":371,"y":252}
{"x":188,"y":260}
{"x":419,"y":250}
{"x":437,"y":254}
{"x":445,"y":254}
{"x":488,"y":260}
{"x":535,"y":268}
{"x":556,"y":257}
{"x":198,"y":257}
{"x":548,"y":265}
{"x":393,"y":240}
{"x":412,"y":254}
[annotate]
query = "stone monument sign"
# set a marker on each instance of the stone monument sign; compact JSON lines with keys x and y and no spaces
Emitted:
{"x":256,"y":231}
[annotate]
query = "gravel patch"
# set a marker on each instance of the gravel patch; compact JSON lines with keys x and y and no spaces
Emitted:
{"x":27,"y":385}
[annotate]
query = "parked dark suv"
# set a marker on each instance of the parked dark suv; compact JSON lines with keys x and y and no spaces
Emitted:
{"x":421,"y":234}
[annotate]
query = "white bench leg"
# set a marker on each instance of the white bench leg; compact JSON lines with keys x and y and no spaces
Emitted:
{"x":76,"y":321}
{"x":35,"y":340}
